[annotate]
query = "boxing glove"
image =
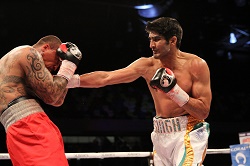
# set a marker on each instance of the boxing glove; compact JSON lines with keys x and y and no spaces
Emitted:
{"x":165,"y":81}
{"x":69,"y":51}
{"x":71,"y":56}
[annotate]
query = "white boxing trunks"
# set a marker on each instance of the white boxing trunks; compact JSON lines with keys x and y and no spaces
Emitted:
{"x":179,"y":141}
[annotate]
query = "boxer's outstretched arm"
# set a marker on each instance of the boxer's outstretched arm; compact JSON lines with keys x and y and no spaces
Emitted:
{"x":102,"y":78}
{"x":98,"y":79}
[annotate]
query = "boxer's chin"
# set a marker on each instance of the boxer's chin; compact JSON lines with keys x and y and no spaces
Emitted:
{"x":156,"y":56}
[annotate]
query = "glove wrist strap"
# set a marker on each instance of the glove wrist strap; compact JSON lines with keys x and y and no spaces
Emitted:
{"x":178,"y":95}
{"x":67,"y":69}
{"x":74,"y":81}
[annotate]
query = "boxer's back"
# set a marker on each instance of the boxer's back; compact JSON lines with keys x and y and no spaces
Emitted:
{"x":12,"y":82}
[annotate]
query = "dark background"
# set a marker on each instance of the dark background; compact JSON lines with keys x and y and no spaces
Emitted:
{"x":110,"y":34}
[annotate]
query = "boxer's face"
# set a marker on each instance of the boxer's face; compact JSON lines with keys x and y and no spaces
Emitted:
{"x":51,"y":60}
{"x":158,"y":44}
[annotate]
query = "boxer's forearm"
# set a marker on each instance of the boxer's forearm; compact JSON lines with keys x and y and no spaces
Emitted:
{"x":90,"y":80}
{"x":98,"y":79}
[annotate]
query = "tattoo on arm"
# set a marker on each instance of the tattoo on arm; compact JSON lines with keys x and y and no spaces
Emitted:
{"x":41,"y":80}
{"x":36,"y":68}
{"x":61,"y":99}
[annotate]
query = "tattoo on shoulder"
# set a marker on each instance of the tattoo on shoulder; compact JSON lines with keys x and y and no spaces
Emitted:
{"x":36,"y":67}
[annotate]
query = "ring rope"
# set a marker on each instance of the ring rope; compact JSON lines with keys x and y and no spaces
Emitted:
{"x":102,"y":155}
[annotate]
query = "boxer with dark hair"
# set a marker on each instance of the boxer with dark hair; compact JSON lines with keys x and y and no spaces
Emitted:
{"x":179,"y":83}
{"x":25,"y":74}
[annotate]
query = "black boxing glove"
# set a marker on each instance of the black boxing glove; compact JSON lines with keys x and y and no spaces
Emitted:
{"x":165,"y":81}
{"x":162,"y":80}
{"x":71,"y":56}
{"x":69,"y":51}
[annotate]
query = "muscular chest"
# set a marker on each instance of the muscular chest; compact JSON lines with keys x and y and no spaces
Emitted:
{"x":184,"y":80}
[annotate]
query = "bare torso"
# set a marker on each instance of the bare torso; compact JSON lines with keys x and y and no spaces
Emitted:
{"x":12,"y":83}
{"x":191,"y":72}
{"x":26,"y":70}
{"x":164,"y":106}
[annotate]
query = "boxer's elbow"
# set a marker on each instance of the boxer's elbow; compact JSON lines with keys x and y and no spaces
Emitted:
{"x":53,"y":101}
{"x":203,"y":114}
{"x":57,"y":104}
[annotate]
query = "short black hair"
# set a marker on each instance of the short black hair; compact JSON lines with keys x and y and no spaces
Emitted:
{"x":52,"y":40}
{"x":166,"y":27}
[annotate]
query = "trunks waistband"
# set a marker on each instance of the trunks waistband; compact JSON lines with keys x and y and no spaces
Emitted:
{"x":16,"y":100}
{"x":19,"y":110}
{"x":170,"y":125}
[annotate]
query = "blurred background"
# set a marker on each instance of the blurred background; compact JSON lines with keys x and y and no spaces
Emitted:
{"x":111,"y":35}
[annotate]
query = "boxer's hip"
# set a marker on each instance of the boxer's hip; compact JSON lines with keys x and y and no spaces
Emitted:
{"x":175,"y":124}
{"x":19,"y":110}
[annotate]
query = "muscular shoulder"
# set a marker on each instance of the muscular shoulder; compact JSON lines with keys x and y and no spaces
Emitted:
{"x":17,"y":61}
{"x":197,"y":65}
{"x":12,"y":58}
{"x":150,"y":62}
{"x":20,"y":50}
{"x":193,"y":60}
{"x":25,"y":50}
{"x":18,"y":53}
{"x":144,"y":61}
{"x":26,"y":54}
{"x":143,"y":64}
